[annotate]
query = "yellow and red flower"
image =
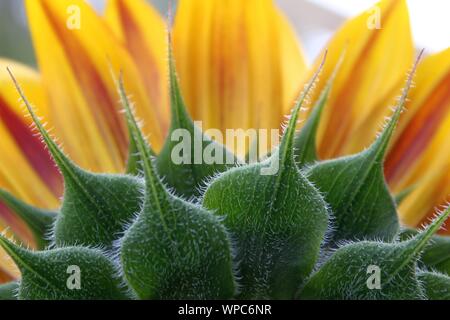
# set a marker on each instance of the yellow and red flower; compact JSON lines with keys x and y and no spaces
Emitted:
{"x":240,"y":66}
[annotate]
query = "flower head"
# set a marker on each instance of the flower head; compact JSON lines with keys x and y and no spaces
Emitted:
{"x":240,"y":66}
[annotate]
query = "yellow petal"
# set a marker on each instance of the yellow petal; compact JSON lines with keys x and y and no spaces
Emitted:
{"x":143,"y":32}
{"x":420,"y":154}
{"x":75,"y":49}
{"x":431,"y":195}
{"x":375,"y":66}
{"x":8,"y":269}
{"x":239,"y":62}
{"x":26,"y":168}
{"x":5,"y":276}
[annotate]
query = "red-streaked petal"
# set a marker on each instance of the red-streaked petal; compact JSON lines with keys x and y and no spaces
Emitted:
{"x":374,"y":68}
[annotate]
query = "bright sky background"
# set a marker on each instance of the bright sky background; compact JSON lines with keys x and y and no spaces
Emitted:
{"x":430,"y":19}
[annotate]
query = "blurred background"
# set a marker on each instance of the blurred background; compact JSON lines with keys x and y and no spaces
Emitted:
{"x":315,"y":21}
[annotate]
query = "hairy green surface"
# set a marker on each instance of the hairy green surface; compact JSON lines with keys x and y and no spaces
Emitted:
{"x":279,"y":220}
{"x":345,"y":274}
{"x":173,"y":243}
{"x":356,"y":189}
{"x":436,"y":285}
{"x":95,"y":206}
{"x":436,"y":256}
{"x":305,"y":149}
{"x":289,"y":226}
{"x":190,"y":144}
{"x":45,"y":273}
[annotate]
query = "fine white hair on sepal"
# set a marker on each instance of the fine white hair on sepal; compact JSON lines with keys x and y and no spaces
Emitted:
{"x":7,"y":235}
{"x":403,"y":98}
{"x":128,"y":103}
{"x":116,"y":259}
{"x":206,"y":183}
{"x":10,"y":238}
{"x":50,"y":236}
{"x":324,"y":253}
{"x":45,"y":125}
{"x":210,"y":180}
{"x":4,"y":232}
{"x":439,"y":212}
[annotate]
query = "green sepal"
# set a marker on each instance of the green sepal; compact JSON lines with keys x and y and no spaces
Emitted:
{"x":348,"y":274}
{"x":356,"y":190}
{"x":305,"y":140}
{"x":436,"y":255}
{"x":437,"y":286}
{"x":359,"y":198}
{"x":277,"y":218}
{"x":134,"y":162}
{"x":39,"y":221}
{"x":174,"y":249}
{"x":186,"y":141}
{"x":53,"y":274}
{"x":355,"y":186}
{"x":8,"y":291}
{"x":95,"y":207}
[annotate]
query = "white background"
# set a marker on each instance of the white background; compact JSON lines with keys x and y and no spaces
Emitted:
{"x":430,"y":20}
{"x":316,"y":20}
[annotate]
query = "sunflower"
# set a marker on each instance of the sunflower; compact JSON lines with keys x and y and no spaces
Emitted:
{"x":240,"y":66}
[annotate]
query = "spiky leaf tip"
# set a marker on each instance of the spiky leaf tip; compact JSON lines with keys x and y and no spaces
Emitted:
{"x":356,"y":190}
{"x":174,"y":249}
{"x":277,"y":217}
{"x":369,"y":270}
{"x":188,"y":152}
{"x":95,"y":206}
{"x":72,"y":273}
{"x":305,"y":140}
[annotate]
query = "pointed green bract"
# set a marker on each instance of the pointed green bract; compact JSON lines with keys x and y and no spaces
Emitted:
{"x":8,"y":291}
{"x":437,"y":286}
{"x":188,"y":153}
{"x":357,"y":193}
{"x":95,"y":206}
{"x":72,"y":273}
{"x":373,"y":270}
{"x":39,"y":221}
{"x":263,"y":241}
{"x":276,"y":216}
{"x":347,"y":275}
{"x":436,"y":255}
{"x":134,"y":162}
{"x":356,"y":189}
{"x":305,"y":140}
{"x":174,"y":249}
